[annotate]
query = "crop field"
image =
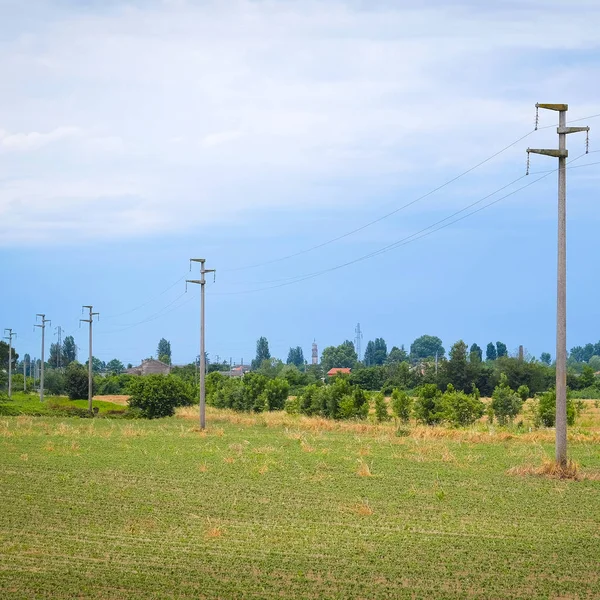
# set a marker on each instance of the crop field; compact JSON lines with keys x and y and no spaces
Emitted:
{"x":274,"y":506}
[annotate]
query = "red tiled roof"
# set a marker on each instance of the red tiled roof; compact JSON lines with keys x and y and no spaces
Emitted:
{"x":338,"y":370}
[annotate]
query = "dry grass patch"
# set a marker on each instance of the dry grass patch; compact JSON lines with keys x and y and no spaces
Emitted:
{"x":554,"y":470}
{"x":203,"y":468}
{"x":362,"y":508}
{"x":229,"y":460}
{"x":363,"y":469}
{"x":306,"y":447}
{"x":213,"y":530}
{"x":364,"y":451}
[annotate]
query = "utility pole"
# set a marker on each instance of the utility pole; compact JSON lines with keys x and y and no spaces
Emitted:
{"x":201,"y":282}
{"x":358,"y":338}
{"x":90,"y":320}
{"x":58,"y":332}
{"x":9,"y":337}
{"x":561,"y":280}
{"x":24,"y":376}
{"x":436,"y":362}
{"x":43,"y":328}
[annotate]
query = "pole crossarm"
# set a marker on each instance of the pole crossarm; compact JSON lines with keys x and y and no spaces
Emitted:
{"x":559,"y":107}
{"x":549,"y":152}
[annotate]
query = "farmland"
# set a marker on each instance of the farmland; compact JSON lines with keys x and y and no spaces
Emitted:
{"x":280,"y":507}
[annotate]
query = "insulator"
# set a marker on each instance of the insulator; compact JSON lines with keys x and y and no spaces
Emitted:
{"x":537,"y":117}
{"x":527,"y":171}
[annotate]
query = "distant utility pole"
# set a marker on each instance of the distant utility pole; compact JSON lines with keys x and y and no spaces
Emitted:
{"x":561,"y":288}
{"x":358,"y":339}
{"x":9,"y":337}
{"x":90,"y":320}
{"x":43,"y":328}
{"x":201,"y":282}
{"x":58,"y":332}
{"x":436,"y":362}
{"x":25,"y":375}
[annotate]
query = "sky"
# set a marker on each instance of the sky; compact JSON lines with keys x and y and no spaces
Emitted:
{"x":271,"y":137}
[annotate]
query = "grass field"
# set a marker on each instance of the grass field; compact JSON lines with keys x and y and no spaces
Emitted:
{"x":29,"y":404}
{"x":280,"y":507}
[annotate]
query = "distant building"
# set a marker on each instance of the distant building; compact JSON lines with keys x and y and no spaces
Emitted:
{"x":339,"y":371}
{"x":150,"y":366}
{"x":237,"y":371}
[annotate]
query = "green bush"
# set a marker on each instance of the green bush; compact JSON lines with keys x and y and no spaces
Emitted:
{"x":505,"y":404}
{"x":523,"y":392}
{"x":381,"y":408}
{"x":276,"y":393}
{"x":461,"y":409}
{"x":158,"y":395}
{"x":401,"y":405}
{"x":428,"y":405}
{"x":76,"y":381}
{"x":546,"y":409}
{"x":292,"y":405}
{"x":54,"y":382}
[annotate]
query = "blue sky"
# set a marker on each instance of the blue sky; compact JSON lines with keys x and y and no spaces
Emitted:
{"x":135,"y":135}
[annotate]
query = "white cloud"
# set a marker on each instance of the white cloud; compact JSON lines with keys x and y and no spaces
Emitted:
{"x":211,"y":109}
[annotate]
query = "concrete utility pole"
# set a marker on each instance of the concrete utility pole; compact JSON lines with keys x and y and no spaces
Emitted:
{"x":359,"y":337}
{"x":24,"y":376}
{"x":90,"y":375}
{"x":9,"y":337}
{"x":201,"y":282}
{"x":561,"y":289}
{"x":43,"y":328}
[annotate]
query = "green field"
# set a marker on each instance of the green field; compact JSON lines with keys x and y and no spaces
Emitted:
{"x":255,"y":509}
{"x":29,"y":404}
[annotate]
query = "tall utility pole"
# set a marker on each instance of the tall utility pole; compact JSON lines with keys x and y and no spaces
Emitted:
{"x":58,"y":332}
{"x":9,"y":337}
{"x":43,"y":328}
{"x":358,"y":339}
{"x":561,"y":287}
{"x":90,"y":376}
{"x":25,"y":375}
{"x":201,"y":282}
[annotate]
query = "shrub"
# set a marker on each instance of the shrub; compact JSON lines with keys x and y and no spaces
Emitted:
{"x":76,"y":381}
{"x":401,"y":404}
{"x":381,"y":409}
{"x":461,"y":409}
{"x":546,"y":409}
{"x":158,"y":395}
{"x":54,"y":382}
{"x":276,"y":393}
{"x":312,"y":400}
{"x":523,"y":392}
{"x":505,"y":404}
{"x":428,"y":408}
{"x":292,"y":405}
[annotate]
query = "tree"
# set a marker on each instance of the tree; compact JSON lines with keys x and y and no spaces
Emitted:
{"x":587,"y":377}
{"x":275,"y":394}
{"x":375,"y":353}
{"x":595,"y":363}
{"x":76,"y":381}
{"x":505,"y":404}
{"x":115,"y":366}
{"x":461,"y":409}
{"x":428,"y":405}
{"x":56,"y":356}
{"x":426,"y":346}
{"x":381,"y":409}
{"x":401,"y":405}
{"x":523,"y":392}
{"x":295,"y":356}
{"x":340,"y":356}
{"x":54,"y":382}
{"x":69,"y":350}
{"x":262,"y":352}
{"x":457,"y":368}
{"x":397,"y":355}
{"x":545,"y":358}
{"x":163,"y":351}
{"x":27,"y":362}
{"x":98,"y":366}
{"x":476,"y":353}
{"x":4,"y":355}
{"x":501,"y":349}
{"x":490,"y":352}
{"x":158,"y":395}
{"x":546,"y":410}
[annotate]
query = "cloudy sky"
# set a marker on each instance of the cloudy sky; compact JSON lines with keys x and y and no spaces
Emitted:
{"x":135,"y":135}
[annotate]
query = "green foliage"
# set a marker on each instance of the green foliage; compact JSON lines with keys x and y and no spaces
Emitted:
{"x":76,"y":381}
{"x":375,"y":353}
{"x":586,"y":379}
{"x":295,"y":356}
{"x":501,"y":349}
{"x":381,"y":408}
{"x":158,"y":395}
{"x":98,"y":366}
{"x":426,"y":346}
{"x":475,"y":353}
{"x":275,"y":394}
{"x":115,"y":367}
{"x":340,"y":356}
{"x":428,"y":405}
{"x":4,"y":355}
{"x":113,"y":384}
{"x":292,"y":405}
{"x":270,"y":368}
{"x":69,"y":350}
{"x":401,"y":405}
{"x":595,"y":363}
{"x":54,"y":382}
{"x":523,"y":392}
{"x":457,"y":369}
{"x":461,"y":409}
{"x":314,"y":400}
{"x":163,"y":351}
{"x":546,"y":409}
{"x":490,"y":352}
{"x":397,"y":355}
{"x":505,"y":404}
{"x":545,"y":358}
{"x":369,"y":378}
{"x":262,"y":352}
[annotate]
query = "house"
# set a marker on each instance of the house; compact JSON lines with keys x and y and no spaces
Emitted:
{"x":150,"y":366}
{"x":338,"y":371}
{"x":237,"y":371}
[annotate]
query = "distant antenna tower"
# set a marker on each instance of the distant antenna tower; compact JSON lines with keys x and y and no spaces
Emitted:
{"x":315,"y":353}
{"x":358,"y":339}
